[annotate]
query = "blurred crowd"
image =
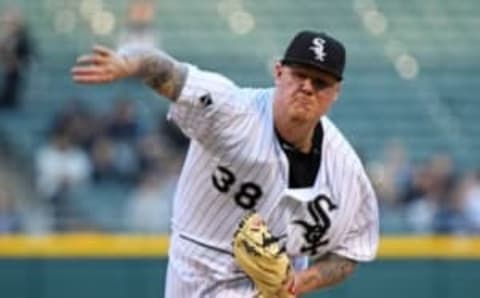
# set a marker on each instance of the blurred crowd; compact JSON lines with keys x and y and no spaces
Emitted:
{"x":89,"y":149}
{"x":86,"y":148}
{"x":432,"y":196}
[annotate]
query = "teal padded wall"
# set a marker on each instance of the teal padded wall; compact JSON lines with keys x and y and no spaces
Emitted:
{"x":144,"y":278}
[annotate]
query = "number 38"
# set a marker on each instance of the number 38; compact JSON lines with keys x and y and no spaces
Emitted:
{"x":245,"y":194}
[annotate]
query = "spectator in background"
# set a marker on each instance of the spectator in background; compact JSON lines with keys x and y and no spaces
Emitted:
{"x":123,"y":124}
{"x":472,"y":201}
{"x":139,"y":29}
{"x":79,"y":123}
{"x":398,"y":167}
{"x":149,"y":208}
{"x":124,"y":128}
{"x":383,"y":185}
{"x":152,"y":151}
{"x":15,"y":53}
{"x":9,"y":217}
{"x":392,"y":175}
{"x":164,"y":141}
{"x":61,"y":166}
{"x":433,"y":185}
{"x":452,"y":217}
{"x":102,"y":156}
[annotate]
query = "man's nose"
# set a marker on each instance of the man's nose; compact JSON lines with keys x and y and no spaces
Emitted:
{"x":307,"y":85}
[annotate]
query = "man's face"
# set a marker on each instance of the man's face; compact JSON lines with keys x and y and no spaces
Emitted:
{"x":303,"y":94}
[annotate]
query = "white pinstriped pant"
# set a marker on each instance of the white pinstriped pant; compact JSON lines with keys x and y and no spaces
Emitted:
{"x":203,"y":287}
{"x":191,"y":277}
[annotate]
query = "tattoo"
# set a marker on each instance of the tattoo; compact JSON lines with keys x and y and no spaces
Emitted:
{"x":327,"y":271}
{"x":335,"y":269}
{"x":161,"y":72}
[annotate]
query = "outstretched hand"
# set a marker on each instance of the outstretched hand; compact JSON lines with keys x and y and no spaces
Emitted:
{"x":102,"y":65}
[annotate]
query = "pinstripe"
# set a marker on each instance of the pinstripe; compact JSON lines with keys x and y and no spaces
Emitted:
{"x":189,"y":189}
{"x":227,"y":201}
{"x":346,"y":184}
{"x":228,"y":226}
{"x":206,"y":161}
{"x":193,"y":188}
{"x":218,"y":198}
{"x":266,"y":137}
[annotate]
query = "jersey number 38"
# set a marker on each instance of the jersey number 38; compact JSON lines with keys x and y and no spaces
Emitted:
{"x":245,"y":194}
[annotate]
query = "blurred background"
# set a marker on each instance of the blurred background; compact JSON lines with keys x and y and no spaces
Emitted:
{"x":87,"y":173}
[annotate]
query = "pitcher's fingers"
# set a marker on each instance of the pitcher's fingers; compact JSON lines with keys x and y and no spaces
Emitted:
{"x":104,"y":51}
{"x":89,"y":79}
{"x":87,"y":70}
{"x":88,"y":76}
{"x":91,"y":59}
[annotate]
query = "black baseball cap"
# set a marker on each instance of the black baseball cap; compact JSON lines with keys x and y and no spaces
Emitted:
{"x":317,"y":50}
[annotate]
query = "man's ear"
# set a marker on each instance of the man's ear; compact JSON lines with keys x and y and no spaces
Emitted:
{"x":277,"y":72}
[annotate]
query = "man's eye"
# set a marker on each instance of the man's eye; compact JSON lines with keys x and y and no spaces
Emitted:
{"x":299,"y":75}
{"x":319,"y":84}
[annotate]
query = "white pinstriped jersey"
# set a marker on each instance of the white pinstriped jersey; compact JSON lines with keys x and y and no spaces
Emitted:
{"x":235,"y":163}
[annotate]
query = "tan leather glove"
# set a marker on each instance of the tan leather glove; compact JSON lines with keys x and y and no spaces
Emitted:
{"x":259,"y":255}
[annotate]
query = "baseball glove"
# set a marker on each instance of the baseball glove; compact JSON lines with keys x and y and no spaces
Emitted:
{"x":257,"y":252}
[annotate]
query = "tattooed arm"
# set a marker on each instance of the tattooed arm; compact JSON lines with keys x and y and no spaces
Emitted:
{"x":161,"y":72}
{"x":327,"y":271}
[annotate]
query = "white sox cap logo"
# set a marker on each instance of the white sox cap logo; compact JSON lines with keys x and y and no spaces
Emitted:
{"x":318,"y":48}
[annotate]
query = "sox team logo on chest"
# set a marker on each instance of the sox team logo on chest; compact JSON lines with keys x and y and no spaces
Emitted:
{"x":314,"y":232}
